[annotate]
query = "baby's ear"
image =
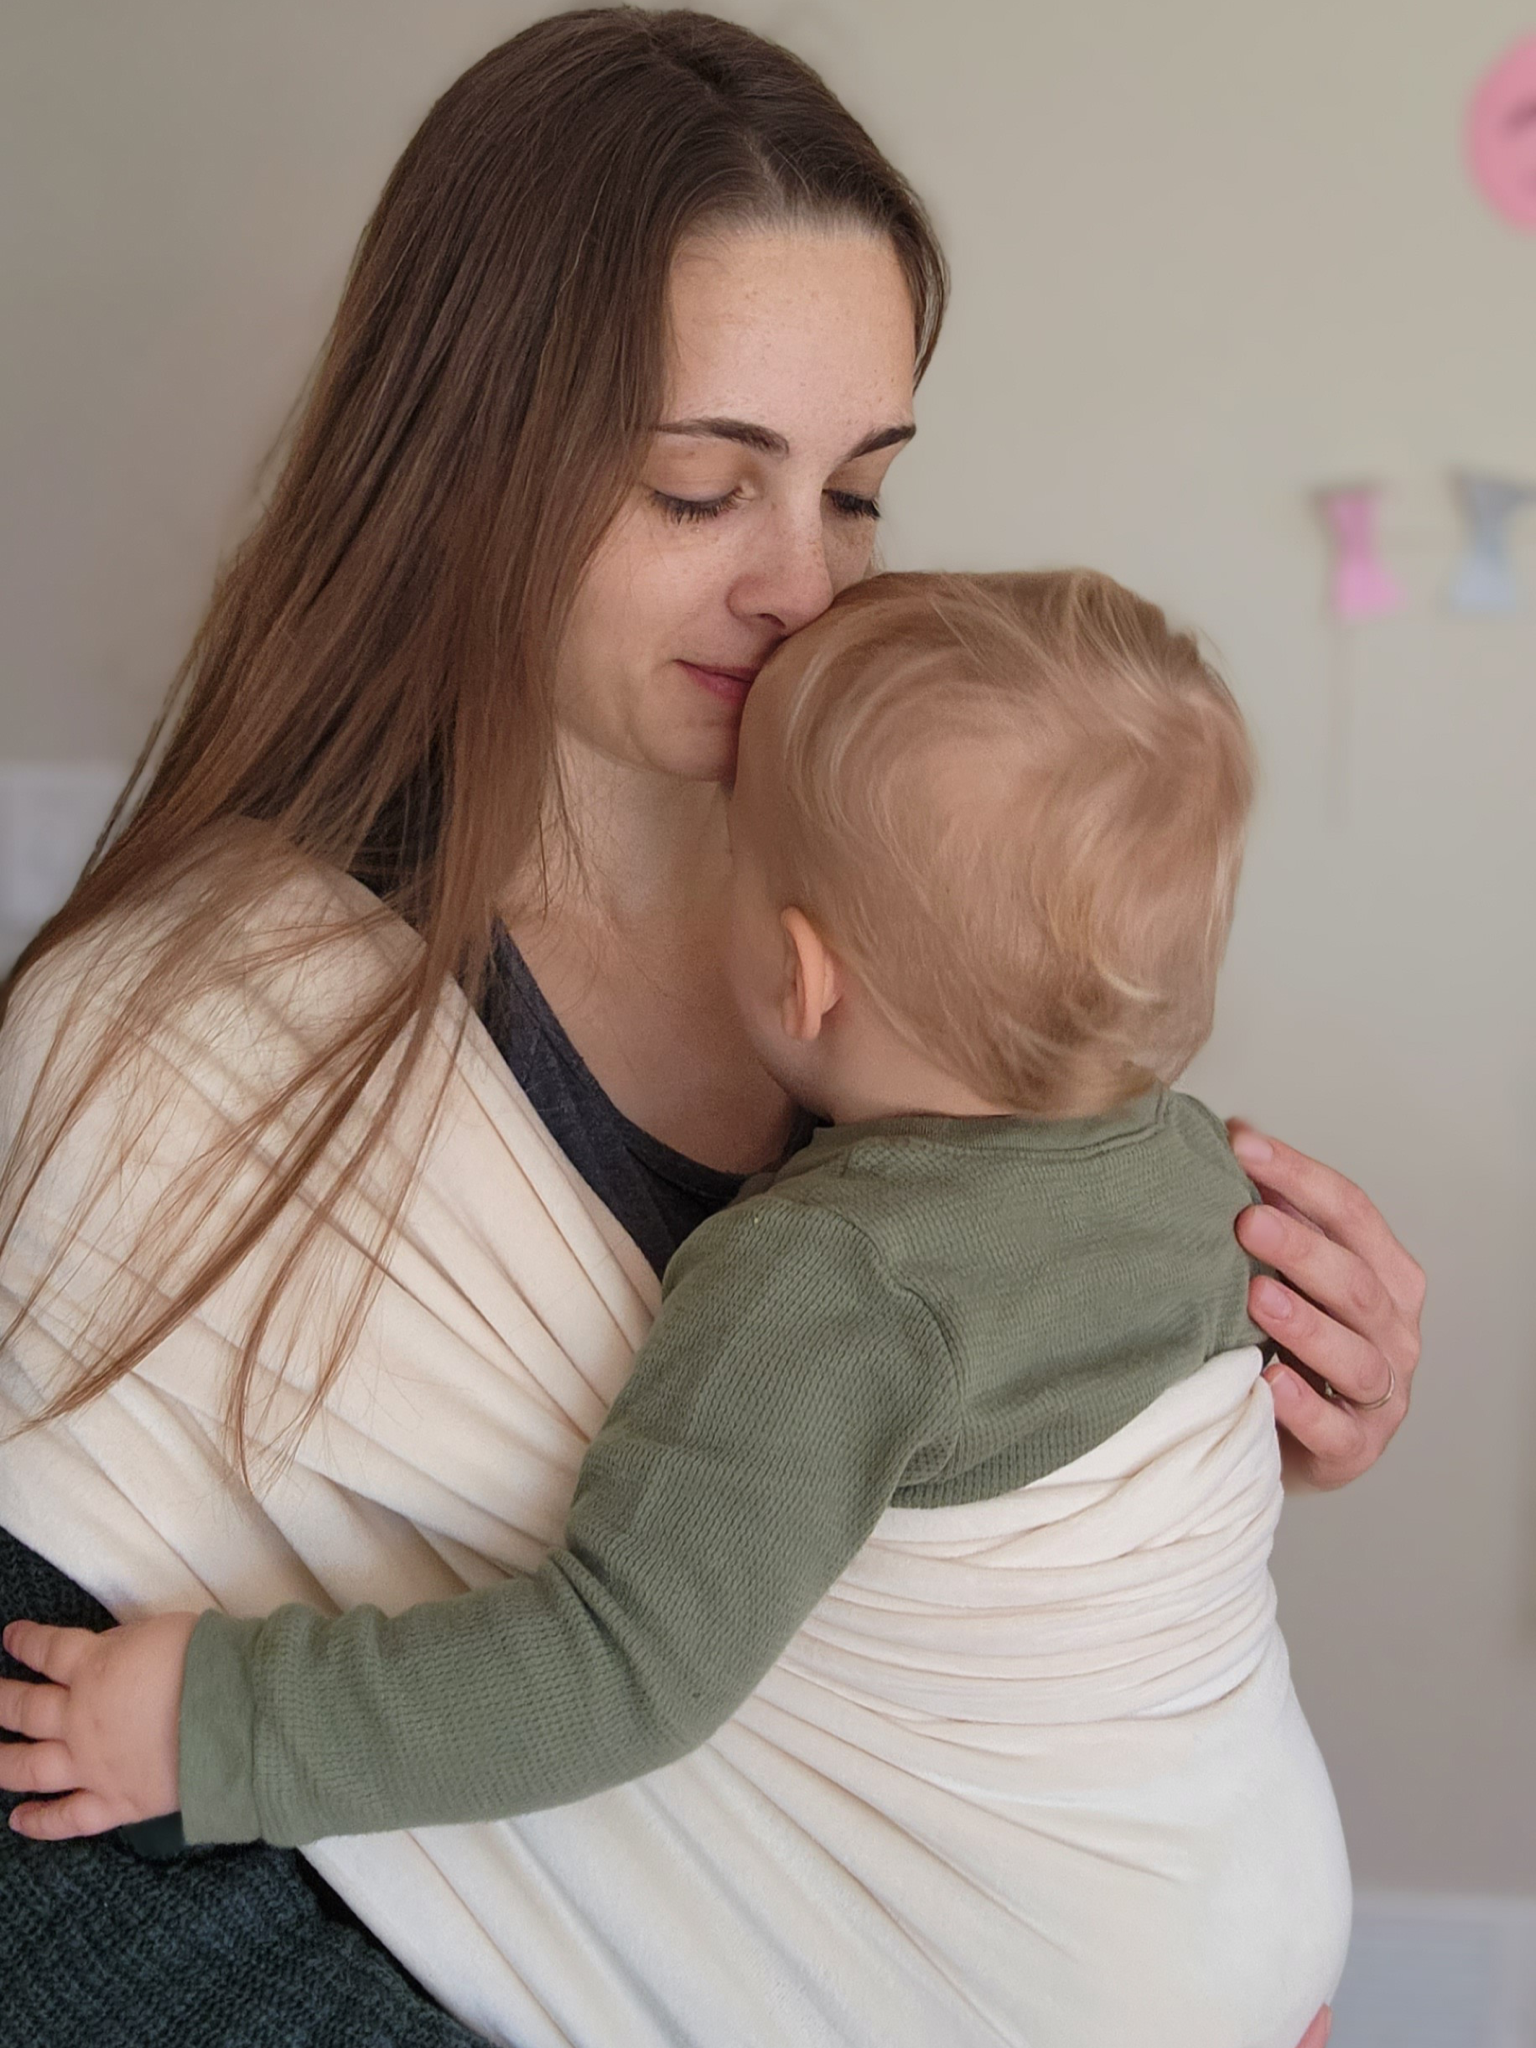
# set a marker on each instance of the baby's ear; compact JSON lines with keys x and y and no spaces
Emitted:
{"x":813,"y":978}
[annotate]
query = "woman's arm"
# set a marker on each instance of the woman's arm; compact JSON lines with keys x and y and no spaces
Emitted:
{"x":1349,"y":1315}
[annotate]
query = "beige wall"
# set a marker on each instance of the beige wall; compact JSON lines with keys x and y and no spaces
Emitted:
{"x":1208,"y":254}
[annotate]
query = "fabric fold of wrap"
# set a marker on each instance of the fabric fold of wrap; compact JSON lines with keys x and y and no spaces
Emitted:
{"x":1032,"y":1773}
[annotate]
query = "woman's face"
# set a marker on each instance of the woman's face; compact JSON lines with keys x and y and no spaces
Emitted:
{"x":790,"y":395}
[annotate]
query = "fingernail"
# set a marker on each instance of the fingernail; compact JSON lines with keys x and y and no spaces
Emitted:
{"x":1263,"y":1226}
{"x":1252,"y":1149}
{"x":1272,"y":1300}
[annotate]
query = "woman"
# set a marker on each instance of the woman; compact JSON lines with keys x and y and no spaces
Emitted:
{"x":626,"y":353}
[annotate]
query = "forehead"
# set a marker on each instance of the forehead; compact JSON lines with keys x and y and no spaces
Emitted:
{"x":806,"y":330}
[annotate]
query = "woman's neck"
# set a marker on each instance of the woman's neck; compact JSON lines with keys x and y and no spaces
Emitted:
{"x":627,"y":942}
{"x":628,"y":851}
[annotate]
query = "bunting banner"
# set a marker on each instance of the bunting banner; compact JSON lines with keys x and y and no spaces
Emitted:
{"x":1485,"y":579}
{"x":1363,"y":587}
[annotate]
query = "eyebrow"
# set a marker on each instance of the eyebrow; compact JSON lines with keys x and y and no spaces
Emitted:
{"x":767,"y":442}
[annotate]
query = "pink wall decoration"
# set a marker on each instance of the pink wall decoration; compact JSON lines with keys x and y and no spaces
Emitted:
{"x":1363,"y":587}
{"x":1501,"y":135}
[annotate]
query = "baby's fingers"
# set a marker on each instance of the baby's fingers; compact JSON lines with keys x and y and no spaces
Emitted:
{"x":36,"y":1711}
{"x":60,"y":1820}
{"x":56,"y":1652}
{"x":37,"y":1767}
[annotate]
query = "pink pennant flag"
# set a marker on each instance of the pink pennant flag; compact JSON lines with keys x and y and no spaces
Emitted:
{"x":1363,"y":587}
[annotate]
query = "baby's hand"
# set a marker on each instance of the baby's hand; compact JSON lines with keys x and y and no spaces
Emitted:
{"x":104,"y":1733}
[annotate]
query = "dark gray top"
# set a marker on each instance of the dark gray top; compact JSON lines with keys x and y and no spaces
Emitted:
{"x":660,"y":1196}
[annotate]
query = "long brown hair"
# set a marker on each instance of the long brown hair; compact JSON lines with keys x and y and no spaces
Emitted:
{"x":371,"y":687}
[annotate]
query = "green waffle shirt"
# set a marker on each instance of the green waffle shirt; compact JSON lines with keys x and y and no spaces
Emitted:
{"x":916,"y":1312}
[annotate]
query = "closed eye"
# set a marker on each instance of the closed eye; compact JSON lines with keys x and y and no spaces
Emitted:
{"x":689,"y":511}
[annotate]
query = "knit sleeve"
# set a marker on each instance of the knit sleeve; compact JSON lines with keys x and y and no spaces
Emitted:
{"x":788,"y":1385}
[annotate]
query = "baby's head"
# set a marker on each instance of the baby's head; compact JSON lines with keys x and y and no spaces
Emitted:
{"x":987,"y":828}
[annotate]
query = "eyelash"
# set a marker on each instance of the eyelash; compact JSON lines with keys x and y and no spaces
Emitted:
{"x":689,"y":511}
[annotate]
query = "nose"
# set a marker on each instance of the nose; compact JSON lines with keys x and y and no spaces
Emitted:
{"x":788,"y":579}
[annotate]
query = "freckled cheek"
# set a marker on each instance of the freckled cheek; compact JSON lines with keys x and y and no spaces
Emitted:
{"x":645,"y":578}
{"x":619,"y":630}
{"x":849,"y":554}
{"x":689,"y":587}
{"x":614,"y":588}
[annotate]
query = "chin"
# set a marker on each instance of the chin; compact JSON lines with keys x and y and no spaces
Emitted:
{"x":706,"y":754}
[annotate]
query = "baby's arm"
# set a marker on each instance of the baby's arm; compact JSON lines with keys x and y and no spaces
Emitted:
{"x":771,"y":1414}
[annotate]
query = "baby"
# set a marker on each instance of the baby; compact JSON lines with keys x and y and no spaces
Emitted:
{"x":986,"y":833}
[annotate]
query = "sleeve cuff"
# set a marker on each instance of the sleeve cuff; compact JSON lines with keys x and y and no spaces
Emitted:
{"x":217,"y":1764}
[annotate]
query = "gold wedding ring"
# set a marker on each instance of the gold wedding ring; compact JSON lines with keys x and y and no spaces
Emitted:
{"x":1365,"y":1407}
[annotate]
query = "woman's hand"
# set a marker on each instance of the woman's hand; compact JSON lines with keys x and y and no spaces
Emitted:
{"x":104,"y":1732}
{"x":1350,"y":1314}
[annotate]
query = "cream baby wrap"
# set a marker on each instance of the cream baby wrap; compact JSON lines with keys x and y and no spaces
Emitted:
{"x":1033,"y":1772}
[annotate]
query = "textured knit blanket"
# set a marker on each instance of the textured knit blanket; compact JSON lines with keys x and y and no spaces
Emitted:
{"x":1033,"y":1772}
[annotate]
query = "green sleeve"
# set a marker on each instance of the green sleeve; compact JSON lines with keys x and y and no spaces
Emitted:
{"x":785,"y":1390}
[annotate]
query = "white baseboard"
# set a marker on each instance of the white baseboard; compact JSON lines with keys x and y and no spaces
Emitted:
{"x":1429,"y":1970}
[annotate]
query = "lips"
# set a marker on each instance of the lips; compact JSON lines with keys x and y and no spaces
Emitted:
{"x":730,"y":684}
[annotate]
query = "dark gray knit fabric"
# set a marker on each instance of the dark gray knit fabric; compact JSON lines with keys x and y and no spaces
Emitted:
{"x":220,"y":1948}
{"x":659,"y":1195}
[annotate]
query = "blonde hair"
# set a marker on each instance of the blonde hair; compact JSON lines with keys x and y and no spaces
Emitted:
{"x":1016,"y":805}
